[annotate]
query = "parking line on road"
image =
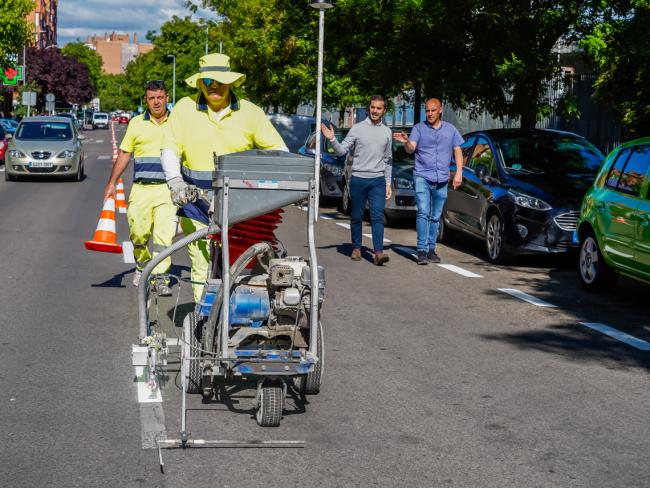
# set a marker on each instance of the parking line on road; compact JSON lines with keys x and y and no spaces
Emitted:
{"x":344,"y":225}
{"x":618,"y":335}
{"x":406,"y":250}
{"x":99,"y":141}
{"x":526,"y":297}
{"x":145,"y":393}
{"x":326,"y":217}
{"x":104,"y":156}
{"x":369,"y":236}
{"x":459,"y":270}
{"x":127,"y":252}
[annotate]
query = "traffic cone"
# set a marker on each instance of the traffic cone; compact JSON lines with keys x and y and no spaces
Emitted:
{"x":120,"y":202}
{"x":105,"y":238}
{"x":114,"y":154}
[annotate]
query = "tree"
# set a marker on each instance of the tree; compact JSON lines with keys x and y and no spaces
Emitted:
{"x":14,"y":29}
{"x":620,"y":47}
{"x":62,"y":75}
{"x":112,"y":93}
{"x":88,"y":57}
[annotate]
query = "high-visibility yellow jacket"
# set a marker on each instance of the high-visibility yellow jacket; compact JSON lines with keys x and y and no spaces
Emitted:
{"x":144,"y":139}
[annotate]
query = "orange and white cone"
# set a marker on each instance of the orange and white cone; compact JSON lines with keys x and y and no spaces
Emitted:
{"x":105,"y":238}
{"x":120,"y":200}
{"x":114,"y":154}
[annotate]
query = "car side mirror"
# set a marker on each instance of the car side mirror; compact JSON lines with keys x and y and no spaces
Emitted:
{"x":481,"y":171}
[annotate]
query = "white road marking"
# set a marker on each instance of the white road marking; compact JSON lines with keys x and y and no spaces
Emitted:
{"x":103,"y":156}
{"x":344,"y":225}
{"x":152,"y":424}
{"x":127,"y":252}
{"x":145,"y":393}
{"x":459,"y":270}
{"x":618,"y":335}
{"x":369,"y":236}
{"x":526,"y":297}
{"x":326,"y":217}
{"x":99,"y":141}
{"x":406,"y":250}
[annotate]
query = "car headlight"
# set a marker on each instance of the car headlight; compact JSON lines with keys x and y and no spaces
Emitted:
{"x":527,"y":201}
{"x":67,"y":154}
{"x":16,"y":154}
{"x":403,"y":183}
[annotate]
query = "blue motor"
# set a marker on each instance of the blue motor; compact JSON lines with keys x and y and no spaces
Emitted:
{"x":249,"y":306}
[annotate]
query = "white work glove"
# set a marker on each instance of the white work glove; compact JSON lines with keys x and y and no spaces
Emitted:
{"x":182,"y":193}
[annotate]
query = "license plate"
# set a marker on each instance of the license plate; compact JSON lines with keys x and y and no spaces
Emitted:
{"x":40,"y":164}
{"x":574,"y":237}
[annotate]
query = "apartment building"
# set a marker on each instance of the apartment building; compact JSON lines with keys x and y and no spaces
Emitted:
{"x":44,"y":20}
{"x":117,"y":50}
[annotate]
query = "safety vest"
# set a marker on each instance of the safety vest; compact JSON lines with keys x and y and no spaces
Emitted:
{"x":143,"y":139}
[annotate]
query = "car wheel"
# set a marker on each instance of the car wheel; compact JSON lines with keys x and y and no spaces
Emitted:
{"x":595,"y":274}
{"x":79,"y":174}
{"x":494,"y":240}
{"x":445,"y":234}
{"x":346,"y":202}
{"x":8,"y":177}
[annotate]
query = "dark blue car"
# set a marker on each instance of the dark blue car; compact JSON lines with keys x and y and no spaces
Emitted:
{"x":332,"y":165}
{"x":521,"y":190}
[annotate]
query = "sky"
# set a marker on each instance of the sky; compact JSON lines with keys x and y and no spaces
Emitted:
{"x":81,"y":18}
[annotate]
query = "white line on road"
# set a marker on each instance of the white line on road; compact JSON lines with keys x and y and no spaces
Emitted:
{"x":127,"y":252}
{"x":325,"y":217}
{"x":618,"y":335}
{"x":344,"y":225}
{"x":103,"y":156}
{"x":406,"y":250}
{"x":145,"y":393}
{"x":459,"y":270}
{"x":99,"y":141}
{"x":526,"y":297}
{"x":152,"y":424}
{"x":369,"y":236}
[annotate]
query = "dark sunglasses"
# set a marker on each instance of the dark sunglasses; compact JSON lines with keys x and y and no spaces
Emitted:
{"x":210,"y":81}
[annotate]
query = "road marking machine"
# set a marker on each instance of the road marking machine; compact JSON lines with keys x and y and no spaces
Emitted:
{"x":259,"y":317}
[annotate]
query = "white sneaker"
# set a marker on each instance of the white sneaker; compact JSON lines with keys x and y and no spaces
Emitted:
{"x":136,"y":277}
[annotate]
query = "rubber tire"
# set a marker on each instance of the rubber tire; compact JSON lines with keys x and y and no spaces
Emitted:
{"x":78,"y":176}
{"x":9,"y":177}
{"x":193,"y":347}
{"x":310,"y":384}
{"x":604,"y":275}
{"x":497,"y":256}
{"x":346,"y":202}
{"x":445,"y":234}
{"x":271,"y":402}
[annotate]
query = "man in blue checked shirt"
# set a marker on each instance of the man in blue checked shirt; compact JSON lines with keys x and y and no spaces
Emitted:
{"x":433,"y":142}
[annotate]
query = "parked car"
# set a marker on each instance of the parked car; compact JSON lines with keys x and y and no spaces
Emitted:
{"x":100,"y":120}
{"x":401,"y":204}
{"x":45,"y":146}
{"x":331,"y":164}
{"x":9,"y":125}
{"x":294,"y":129}
{"x":3,"y":144}
{"x":521,"y":190}
{"x":614,"y":224}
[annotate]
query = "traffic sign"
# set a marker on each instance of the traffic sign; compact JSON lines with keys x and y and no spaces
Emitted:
{"x":50,"y":97}
{"x":29,"y":98}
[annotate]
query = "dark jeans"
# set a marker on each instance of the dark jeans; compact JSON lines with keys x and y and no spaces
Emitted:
{"x":374,"y":191}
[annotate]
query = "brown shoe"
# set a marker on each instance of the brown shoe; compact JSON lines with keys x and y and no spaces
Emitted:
{"x":380,"y":259}
{"x":356,"y":255}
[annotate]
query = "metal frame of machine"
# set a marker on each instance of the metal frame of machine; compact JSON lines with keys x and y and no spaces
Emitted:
{"x":272,"y":368}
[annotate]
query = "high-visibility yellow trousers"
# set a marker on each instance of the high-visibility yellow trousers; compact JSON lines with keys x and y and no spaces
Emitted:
{"x":151,"y":216}
{"x":199,"y":252}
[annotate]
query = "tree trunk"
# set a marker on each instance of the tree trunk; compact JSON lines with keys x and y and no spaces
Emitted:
{"x":417,"y":102}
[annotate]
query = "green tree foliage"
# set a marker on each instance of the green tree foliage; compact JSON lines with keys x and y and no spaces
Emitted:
{"x":620,"y":46}
{"x":89,"y":57}
{"x":14,"y":29}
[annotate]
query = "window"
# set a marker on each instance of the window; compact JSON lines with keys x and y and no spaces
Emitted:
{"x":617,"y":168}
{"x":466,"y":147}
{"x":482,"y":155}
{"x":635,"y":173}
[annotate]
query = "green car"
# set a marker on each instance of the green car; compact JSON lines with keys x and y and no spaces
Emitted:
{"x":614,"y":224}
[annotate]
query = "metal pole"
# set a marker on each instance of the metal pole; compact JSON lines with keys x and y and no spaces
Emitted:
{"x":174,"y":83}
{"x":206,"y":39}
{"x":319,"y":107}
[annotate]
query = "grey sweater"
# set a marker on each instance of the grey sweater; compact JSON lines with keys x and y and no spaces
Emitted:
{"x":371,"y":147}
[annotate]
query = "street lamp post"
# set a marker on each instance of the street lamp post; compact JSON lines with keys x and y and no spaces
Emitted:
{"x":321,"y":5}
{"x":173,"y":56}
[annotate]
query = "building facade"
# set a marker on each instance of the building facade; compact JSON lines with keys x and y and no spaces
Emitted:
{"x":117,"y":50}
{"x":44,"y":20}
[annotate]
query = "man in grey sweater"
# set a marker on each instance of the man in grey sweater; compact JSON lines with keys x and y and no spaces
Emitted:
{"x":371,"y":144}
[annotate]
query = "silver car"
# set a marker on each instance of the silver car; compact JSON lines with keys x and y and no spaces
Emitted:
{"x":43,"y":146}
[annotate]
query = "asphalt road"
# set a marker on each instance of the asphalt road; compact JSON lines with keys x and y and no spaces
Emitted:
{"x":432,"y":378}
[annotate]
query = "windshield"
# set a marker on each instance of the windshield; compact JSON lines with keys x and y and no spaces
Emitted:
{"x":100,"y":117}
{"x":544,"y":153}
{"x":42,"y":130}
{"x":400,"y":155}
